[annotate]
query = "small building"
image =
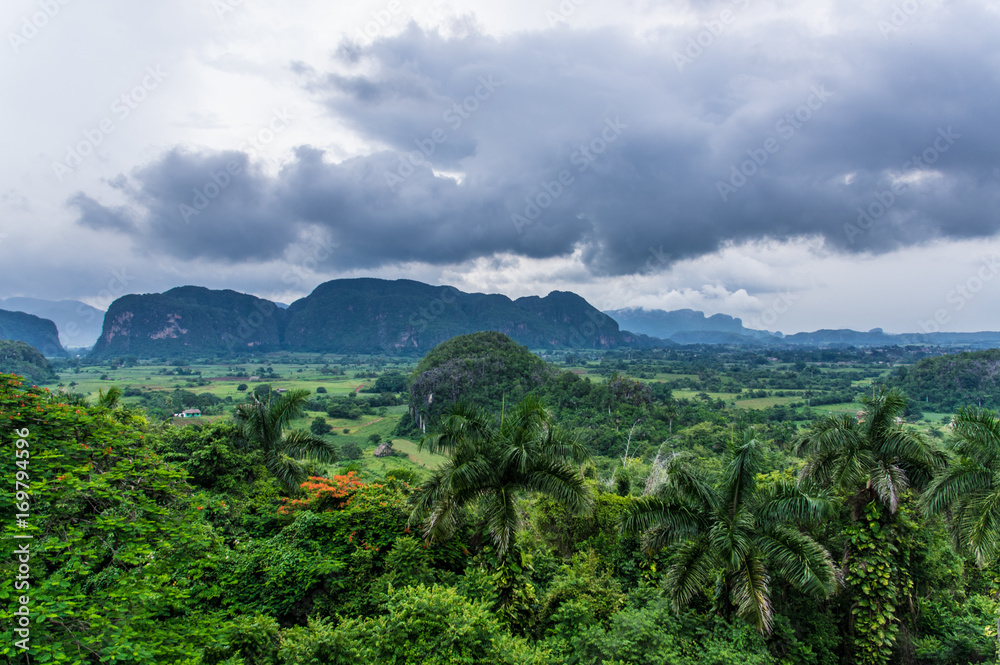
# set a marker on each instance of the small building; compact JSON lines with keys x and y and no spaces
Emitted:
{"x":188,"y":413}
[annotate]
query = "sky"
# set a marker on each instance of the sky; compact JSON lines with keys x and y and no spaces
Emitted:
{"x":800,"y":165}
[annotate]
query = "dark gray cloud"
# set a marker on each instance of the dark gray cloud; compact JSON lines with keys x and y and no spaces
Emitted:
{"x":824,"y":127}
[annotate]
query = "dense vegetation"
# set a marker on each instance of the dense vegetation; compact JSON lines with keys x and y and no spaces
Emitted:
{"x":948,"y":382}
{"x":482,"y":368}
{"x":575,"y":518}
{"x":21,"y":358}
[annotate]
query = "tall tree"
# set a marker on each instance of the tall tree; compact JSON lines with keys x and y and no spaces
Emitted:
{"x":872,"y":459}
{"x":261,"y":423}
{"x":733,"y":530}
{"x":492,"y":461}
{"x":969,"y":489}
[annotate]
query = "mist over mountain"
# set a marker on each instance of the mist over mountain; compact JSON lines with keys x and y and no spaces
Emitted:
{"x":687,"y":326}
{"x":78,"y":323}
{"x":36,"y":331}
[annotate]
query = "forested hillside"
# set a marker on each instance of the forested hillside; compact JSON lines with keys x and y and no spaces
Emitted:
{"x":24,"y":359}
{"x":947,"y":382}
{"x":189,"y":320}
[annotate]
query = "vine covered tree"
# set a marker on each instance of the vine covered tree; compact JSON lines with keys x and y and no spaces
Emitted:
{"x":872,"y":459}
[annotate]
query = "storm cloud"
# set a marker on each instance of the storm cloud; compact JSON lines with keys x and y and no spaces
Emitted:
{"x":870,"y":132}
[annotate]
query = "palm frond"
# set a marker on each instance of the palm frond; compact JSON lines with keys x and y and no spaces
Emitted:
{"x":962,"y":479}
{"x":684,"y":483}
{"x":278,"y":412}
{"x":889,"y":482}
{"x":502,"y":520}
{"x":784,"y":501}
{"x":751,"y":594}
{"x":287,"y":470}
{"x":660,"y":522}
{"x":739,"y":480}
{"x":979,"y":527}
{"x":691,"y":568}
{"x":560,"y":482}
{"x":300,"y":444}
{"x":977,"y":433}
{"x":797,"y":558}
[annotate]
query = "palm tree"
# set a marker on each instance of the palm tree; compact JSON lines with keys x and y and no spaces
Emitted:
{"x":261,"y":423}
{"x":970,"y":488}
{"x":873,"y":459}
{"x":735,"y":531}
{"x":870,"y":457}
{"x":110,"y":399}
{"x":493,"y":462}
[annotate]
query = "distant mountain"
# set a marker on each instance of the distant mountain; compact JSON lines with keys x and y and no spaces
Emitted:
{"x":687,"y":326}
{"x":38,"y":332}
{"x":348,"y":316}
{"x":404,"y":316}
{"x":189,"y":320}
{"x":79,"y":324}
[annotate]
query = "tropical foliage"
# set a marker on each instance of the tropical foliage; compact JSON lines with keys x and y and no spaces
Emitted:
{"x":734,"y":533}
{"x":493,"y":460}
{"x":261,"y":423}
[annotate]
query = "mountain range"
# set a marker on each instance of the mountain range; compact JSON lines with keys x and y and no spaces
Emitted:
{"x":371,"y":316}
{"x":400,"y":317}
